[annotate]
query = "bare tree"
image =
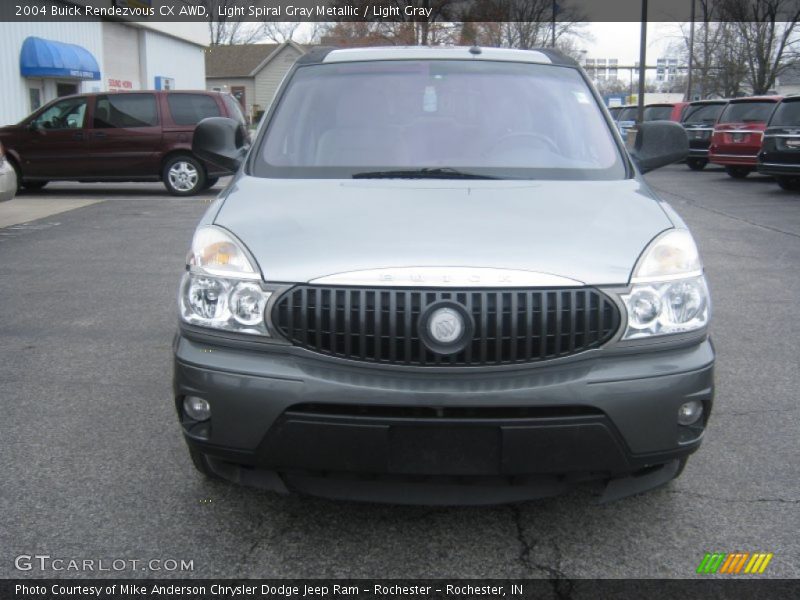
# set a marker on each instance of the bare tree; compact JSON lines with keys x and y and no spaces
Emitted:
{"x":765,"y":30}
{"x":429,"y":22}
{"x":227,"y":24}
{"x":520,"y":23}
{"x":280,"y":31}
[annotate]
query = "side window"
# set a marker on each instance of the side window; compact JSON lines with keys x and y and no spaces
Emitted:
{"x":190,"y":109}
{"x":65,"y":114}
{"x":125,"y":111}
{"x":234,"y":109}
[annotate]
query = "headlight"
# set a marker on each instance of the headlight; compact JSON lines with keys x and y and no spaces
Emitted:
{"x":669,"y":293}
{"x":222,"y":288}
{"x":217,"y":252}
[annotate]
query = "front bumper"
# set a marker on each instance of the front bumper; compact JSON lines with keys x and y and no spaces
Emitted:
{"x":779,"y":169}
{"x":285,"y":420}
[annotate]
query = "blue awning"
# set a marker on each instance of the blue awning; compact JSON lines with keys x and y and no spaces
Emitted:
{"x":47,"y":58}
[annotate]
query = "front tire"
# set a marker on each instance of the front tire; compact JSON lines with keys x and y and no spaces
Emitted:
{"x":738,"y":172}
{"x":697,"y":164}
{"x":183,"y":175}
{"x":790,"y":184}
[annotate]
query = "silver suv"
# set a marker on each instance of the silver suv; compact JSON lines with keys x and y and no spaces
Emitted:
{"x":439,"y":277}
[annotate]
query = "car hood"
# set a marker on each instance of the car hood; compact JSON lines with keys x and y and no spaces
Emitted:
{"x":302,"y":230}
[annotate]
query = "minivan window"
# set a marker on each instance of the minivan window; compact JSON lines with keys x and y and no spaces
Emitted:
{"x":703,"y":113}
{"x":190,"y":109}
{"x":747,"y":112}
{"x":493,"y":119}
{"x":657,"y":113}
{"x":65,"y":114}
{"x":125,"y":111}
{"x":234,"y":108}
{"x":787,"y":115}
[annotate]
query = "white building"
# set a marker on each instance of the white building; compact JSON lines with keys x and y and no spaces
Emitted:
{"x":602,"y":69}
{"x":42,"y":60}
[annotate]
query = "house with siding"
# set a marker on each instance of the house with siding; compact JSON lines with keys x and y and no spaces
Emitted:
{"x":251,"y":72}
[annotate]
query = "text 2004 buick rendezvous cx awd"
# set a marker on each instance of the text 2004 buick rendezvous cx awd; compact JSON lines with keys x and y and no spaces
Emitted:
{"x":439,"y":278}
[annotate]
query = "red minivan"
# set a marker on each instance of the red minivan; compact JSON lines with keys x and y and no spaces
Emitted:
{"x":118,"y":136}
{"x":739,"y":132}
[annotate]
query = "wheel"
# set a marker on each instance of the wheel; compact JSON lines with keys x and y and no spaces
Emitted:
{"x":183,"y":175}
{"x":697,"y":164}
{"x":34,"y":185}
{"x":210,"y":182}
{"x":738,"y":172}
{"x":790,"y":184}
{"x":200,"y":463}
{"x":18,"y":173}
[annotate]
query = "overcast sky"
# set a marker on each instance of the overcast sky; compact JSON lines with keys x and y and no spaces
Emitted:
{"x":621,"y":41}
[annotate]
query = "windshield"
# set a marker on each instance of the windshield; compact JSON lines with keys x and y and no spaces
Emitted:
{"x":747,"y":112}
{"x":703,"y":114}
{"x":628,"y":114}
{"x":443,"y":119}
{"x":657,"y":113}
{"x":787,"y":115}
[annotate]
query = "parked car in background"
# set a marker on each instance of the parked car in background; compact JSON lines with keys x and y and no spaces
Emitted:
{"x":626,"y":118}
{"x":614,"y":111}
{"x":8,"y":178}
{"x":118,"y":136}
{"x":666,"y":111}
{"x":780,"y":151}
{"x":698,"y":120}
{"x":472,"y":341}
{"x":737,"y":136}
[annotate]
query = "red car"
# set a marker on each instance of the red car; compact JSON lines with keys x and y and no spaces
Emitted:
{"x":665,"y":111}
{"x":739,"y":132}
{"x":122,"y":136}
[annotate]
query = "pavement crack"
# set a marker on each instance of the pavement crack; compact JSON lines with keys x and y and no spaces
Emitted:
{"x":750,"y":413}
{"x":722,"y":213}
{"x":525,"y":546}
{"x":734,"y":500}
{"x":562,"y":587}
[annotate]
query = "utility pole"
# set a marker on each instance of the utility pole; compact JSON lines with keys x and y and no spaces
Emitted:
{"x":553,"y":32}
{"x":642,"y":61}
{"x":691,"y":55}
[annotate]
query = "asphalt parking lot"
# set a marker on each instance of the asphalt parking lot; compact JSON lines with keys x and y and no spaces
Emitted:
{"x":94,"y":466}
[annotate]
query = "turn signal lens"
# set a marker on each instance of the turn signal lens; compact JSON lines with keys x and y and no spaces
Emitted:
{"x":216,"y":252}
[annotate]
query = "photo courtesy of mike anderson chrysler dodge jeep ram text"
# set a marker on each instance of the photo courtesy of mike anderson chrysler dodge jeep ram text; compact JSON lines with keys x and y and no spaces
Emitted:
{"x":439,"y":277}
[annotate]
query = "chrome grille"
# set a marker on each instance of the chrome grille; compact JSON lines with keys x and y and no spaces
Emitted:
{"x":381,"y":325}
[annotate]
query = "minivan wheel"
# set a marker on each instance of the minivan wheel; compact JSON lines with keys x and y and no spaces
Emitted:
{"x":697,"y":164}
{"x":738,"y":172}
{"x":790,"y":184}
{"x":183,"y":176}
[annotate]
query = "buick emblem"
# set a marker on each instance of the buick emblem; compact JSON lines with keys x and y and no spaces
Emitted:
{"x":445,"y":325}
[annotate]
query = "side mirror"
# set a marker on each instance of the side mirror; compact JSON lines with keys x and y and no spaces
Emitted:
{"x":659,"y":143}
{"x":33,"y":126}
{"x":221,"y":141}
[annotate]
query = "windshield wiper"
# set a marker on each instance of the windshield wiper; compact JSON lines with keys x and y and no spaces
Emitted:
{"x":424,"y":173}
